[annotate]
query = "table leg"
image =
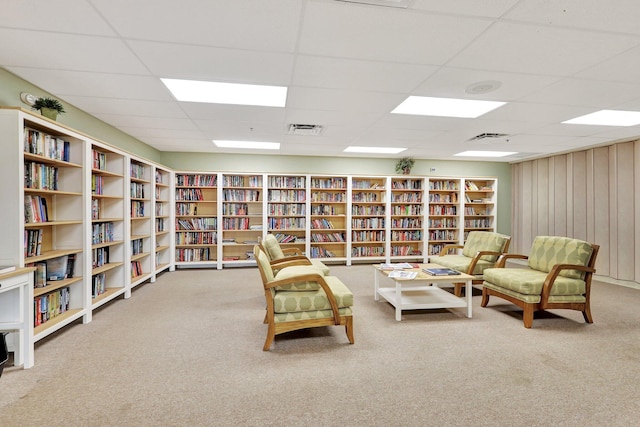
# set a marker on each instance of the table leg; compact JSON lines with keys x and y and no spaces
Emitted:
{"x":468,"y":290}
{"x":398,"y":301}
{"x":376,"y":285}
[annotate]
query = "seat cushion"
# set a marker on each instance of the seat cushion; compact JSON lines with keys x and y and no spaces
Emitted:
{"x":306,"y":315}
{"x":484,"y":241}
{"x":291,"y":301}
{"x":548,"y":251}
{"x":461,"y":263}
{"x":525,"y":281}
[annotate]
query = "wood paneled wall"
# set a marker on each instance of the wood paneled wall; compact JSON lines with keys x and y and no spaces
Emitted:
{"x":592,"y":195}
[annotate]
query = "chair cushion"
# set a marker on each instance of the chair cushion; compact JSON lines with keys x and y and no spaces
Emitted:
{"x":298,"y":270}
{"x":461,"y":263}
{"x":321,"y":266}
{"x":271,"y":245}
{"x":264,"y":264}
{"x":291,"y":301}
{"x":548,"y":251}
{"x":525,"y":281}
{"x":484,"y":241}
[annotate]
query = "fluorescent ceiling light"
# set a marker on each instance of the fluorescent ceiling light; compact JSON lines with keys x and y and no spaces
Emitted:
{"x":485,"y":153}
{"x":445,"y":107}
{"x":608,"y":118}
{"x":377,"y":150}
{"x":248,"y":144}
{"x":227,"y":93}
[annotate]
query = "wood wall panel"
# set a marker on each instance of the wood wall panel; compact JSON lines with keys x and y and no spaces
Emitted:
{"x":590,"y":195}
{"x":625,"y":211}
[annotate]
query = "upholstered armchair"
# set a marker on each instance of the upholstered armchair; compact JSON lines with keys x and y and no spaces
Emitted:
{"x":557,"y":276}
{"x":283,"y":257}
{"x":479,"y":252}
{"x":299,"y":301}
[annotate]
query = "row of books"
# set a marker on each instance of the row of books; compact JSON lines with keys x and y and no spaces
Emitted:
{"x":137,"y":246}
{"x":102,"y":232}
{"x":328,"y":237}
{"x":401,"y":236}
{"x":190,"y":238}
{"x":197,"y":180}
{"x":368,"y":236}
{"x":242,"y":181}
{"x":443,"y":185}
{"x":137,"y":190}
{"x":333,"y":182}
{"x":287,"y":209}
{"x":137,"y":209}
{"x":98,"y":160}
{"x":43,"y":144}
{"x":136,"y":269}
{"x":407,"y":184}
{"x":443,"y":198}
{"x":241,"y":195}
{"x":51,"y":305}
{"x":323,"y":196}
{"x":35,"y":209}
{"x":287,"y":195}
{"x":321,"y":223}
{"x":189,"y":194}
{"x":366,"y":184}
{"x":137,"y":170}
{"x":100,"y":257}
{"x":286,"y":223}
{"x":407,"y":197}
{"x":194,"y":254}
{"x":368,"y":197}
{"x":32,"y":242}
{"x":52,"y":270}
{"x":443,"y":210}
{"x":320,"y":252}
{"x":97,"y":184}
{"x":326,"y":210}
{"x":287,"y":181}
{"x":368,"y":223}
{"x":98,"y":284}
{"x":40,"y":176}
{"x":368,"y":210}
{"x":406,"y":210}
{"x":406,"y":222}
{"x":196,"y":224}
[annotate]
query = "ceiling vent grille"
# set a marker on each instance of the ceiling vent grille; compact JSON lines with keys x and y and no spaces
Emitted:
{"x":305,"y":130}
{"x":488,"y":135}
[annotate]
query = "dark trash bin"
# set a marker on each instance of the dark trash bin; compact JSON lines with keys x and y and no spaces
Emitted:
{"x":4,"y":353}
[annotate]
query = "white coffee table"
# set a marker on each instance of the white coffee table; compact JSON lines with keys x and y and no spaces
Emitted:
{"x":422,"y":292}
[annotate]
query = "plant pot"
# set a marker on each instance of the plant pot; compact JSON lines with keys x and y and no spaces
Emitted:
{"x":49,"y":113}
{"x":406,"y":171}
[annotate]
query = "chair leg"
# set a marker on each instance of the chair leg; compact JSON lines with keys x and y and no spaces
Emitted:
{"x":271,"y":334}
{"x":586,"y":313}
{"x":527,"y":316}
{"x":348,"y":325}
{"x":485,"y":297}
{"x":457,"y":289}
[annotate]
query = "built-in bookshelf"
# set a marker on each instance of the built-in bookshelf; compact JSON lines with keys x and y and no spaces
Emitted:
{"x":479,"y":205}
{"x":196,"y":219}
{"x":141,"y":219}
{"x":369,"y":219}
{"x":444,"y":214}
{"x":162,"y":223}
{"x":107,"y":225}
{"x":287,"y":209}
{"x":407,"y":218}
{"x":242,"y":217}
{"x":43,"y":215}
{"x":328,"y":218}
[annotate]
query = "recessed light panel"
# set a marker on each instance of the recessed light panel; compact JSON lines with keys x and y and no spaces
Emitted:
{"x":227,"y":93}
{"x":445,"y":107}
{"x":485,"y":153}
{"x":608,"y":118}
{"x":374,"y":150}
{"x":248,"y":144}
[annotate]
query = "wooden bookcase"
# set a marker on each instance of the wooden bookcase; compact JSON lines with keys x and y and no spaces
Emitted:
{"x":43,"y":221}
{"x":162,"y":242}
{"x":407,"y":219}
{"x":444,"y":214}
{"x":242,"y":217}
{"x":479,"y":205}
{"x":196,"y":224}
{"x":141,"y":221}
{"x":107,"y":225}
{"x":369,"y":210}
{"x":328,"y":218}
{"x":287,"y":209}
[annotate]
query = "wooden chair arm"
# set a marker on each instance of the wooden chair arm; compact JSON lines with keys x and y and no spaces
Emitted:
{"x":550,"y":280}
{"x":291,"y":251}
{"x":502,"y":260}
{"x":447,"y":248}
{"x":311,"y":277}
{"x":476,"y":258}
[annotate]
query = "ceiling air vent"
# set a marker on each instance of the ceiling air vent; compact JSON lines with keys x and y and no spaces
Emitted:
{"x":487,"y":135}
{"x":305,"y":130}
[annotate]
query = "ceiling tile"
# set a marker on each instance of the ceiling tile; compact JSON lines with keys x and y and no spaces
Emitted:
{"x":494,"y":8}
{"x":586,"y":93}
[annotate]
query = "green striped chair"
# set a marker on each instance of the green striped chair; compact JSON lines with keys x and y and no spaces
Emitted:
{"x":300,"y":300}
{"x":558,"y":276}
{"x":480,"y":251}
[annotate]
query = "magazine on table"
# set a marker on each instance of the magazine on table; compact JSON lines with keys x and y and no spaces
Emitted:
{"x":397,"y":266}
{"x":401,"y":274}
{"x":441,"y":271}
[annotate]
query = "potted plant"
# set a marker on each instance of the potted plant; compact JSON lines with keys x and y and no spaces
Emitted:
{"x":404,"y":165}
{"x":49,"y":107}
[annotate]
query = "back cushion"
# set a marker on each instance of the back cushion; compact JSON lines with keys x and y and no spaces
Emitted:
{"x":484,"y":241}
{"x":272,"y":246}
{"x":548,"y":251}
{"x":263,"y":264}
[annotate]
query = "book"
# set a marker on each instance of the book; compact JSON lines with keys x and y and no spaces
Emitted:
{"x":401,"y":274}
{"x":441,"y":271}
{"x":396,"y":266}
{"x":57,"y":268}
{"x":7,"y":268}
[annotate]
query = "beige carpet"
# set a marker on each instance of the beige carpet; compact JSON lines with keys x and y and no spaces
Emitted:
{"x":187,"y":351}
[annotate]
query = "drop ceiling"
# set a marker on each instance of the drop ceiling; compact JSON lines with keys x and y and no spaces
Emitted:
{"x":347,"y":66}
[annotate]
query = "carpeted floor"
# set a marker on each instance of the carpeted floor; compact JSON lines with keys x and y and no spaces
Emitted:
{"x":187,"y":351}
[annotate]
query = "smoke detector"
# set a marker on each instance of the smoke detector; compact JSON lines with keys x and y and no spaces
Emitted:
{"x":488,"y":135}
{"x":305,"y":130}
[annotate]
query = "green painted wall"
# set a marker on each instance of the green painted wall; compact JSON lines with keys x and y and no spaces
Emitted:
{"x":11,"y":86}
